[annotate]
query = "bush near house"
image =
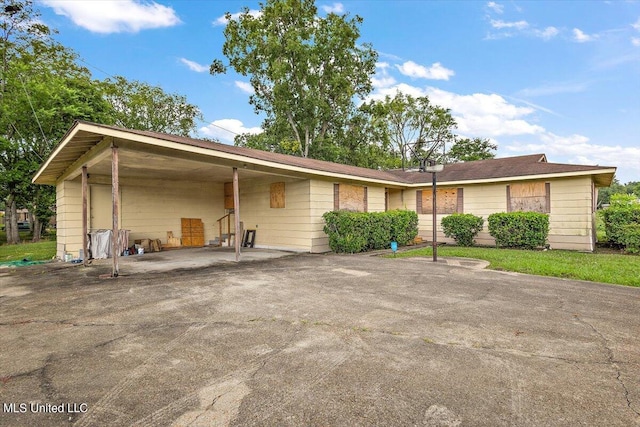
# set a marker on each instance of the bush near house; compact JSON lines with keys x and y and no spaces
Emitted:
{"x":462,"y":227}
{"x":622,"y":222}
{"x":527,"y":230}
{"x":353,"y":232}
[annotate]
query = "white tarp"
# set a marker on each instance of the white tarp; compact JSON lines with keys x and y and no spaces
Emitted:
{"x":100,"y":243}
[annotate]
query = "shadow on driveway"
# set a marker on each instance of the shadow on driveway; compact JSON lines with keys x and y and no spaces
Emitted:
{"x":316,"y":340}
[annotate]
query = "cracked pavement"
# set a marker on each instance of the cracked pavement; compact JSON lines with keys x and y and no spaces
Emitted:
{"x":316,"y":340}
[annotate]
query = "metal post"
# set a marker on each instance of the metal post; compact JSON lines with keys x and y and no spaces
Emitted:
{"x":434,"y":218}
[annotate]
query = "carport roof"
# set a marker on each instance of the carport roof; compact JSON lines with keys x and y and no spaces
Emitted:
{"x":77,"y":146}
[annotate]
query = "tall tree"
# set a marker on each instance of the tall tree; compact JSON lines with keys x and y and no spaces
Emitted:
{"x":412,"y":126}
{"x":43,"y":91}
{"x":138,"y":105}
{"x":467,"y":150}
{"x":305,"y":70}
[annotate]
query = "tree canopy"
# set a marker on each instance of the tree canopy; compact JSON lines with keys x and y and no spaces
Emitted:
{"x":469,"y":149}
{"x":138,"y":105}
{"x":305,"y":70}
{"x":415,"y":128}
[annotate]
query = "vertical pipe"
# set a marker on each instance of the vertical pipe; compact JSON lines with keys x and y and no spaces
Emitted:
{"x":434,"y":218}
{"x":84,"y":216}
{"x":115,"y":198}
{"x":236,"y":211}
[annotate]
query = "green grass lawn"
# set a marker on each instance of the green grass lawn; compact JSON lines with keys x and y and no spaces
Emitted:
{"x":41,"y":251}
{"x":608,"y":268}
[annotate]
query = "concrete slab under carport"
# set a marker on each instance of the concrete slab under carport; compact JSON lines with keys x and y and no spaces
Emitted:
{"x":319,"y":340}
{"x":188,"y":258}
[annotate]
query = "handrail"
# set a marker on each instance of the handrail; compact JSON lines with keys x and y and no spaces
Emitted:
{"x":228,"y":216}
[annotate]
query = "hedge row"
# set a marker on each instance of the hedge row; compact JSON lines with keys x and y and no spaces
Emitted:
{"x":353,"y":232}
{"x":622,"y":223}
{"x":528,"y":230}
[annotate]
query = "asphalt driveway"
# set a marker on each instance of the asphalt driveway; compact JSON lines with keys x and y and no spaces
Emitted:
{"x":319,"y":340}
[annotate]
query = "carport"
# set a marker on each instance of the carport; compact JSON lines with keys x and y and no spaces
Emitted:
{"x":118,"y":179}
{"x":152,"y":184}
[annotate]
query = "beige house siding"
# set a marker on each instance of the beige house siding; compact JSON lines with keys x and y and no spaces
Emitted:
{"x":69,"y":218}
{"x":396,"y":199}
{"x":570,"y":220}
{"x":375,"y":199}
{"x":321,"y":196}
{"x":150,"y":208}
{"x":287,"y":228}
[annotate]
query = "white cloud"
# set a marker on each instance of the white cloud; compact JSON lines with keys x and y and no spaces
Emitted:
{"x":115,"y":16}
{"x":581,"y":37}
{"x":500,"y":25}
{"x":382,"y":78}
{"x":635,"y":41}
{"x":497,"y":8}
{"x":334,"y":8}
{"x":578,"y":149}
{"x":194,"y":66}
{"x":245,"y":87}
{"x":435,"y":72}
{"x":546,"y":34}
{"x":636,"y":25}
{"x":226,"y":129}
{"x":222,"y":20}
{"x":484,"y":115}
{"x":554,"y":88}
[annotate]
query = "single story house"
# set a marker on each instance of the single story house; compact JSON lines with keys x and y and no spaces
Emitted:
{"x":152,"y":183}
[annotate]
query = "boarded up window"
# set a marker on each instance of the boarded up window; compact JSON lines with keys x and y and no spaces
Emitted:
{"x":350,"y":197}
{"x":228,"y":195}
{"x":448,"y":201}
{"x":277,"y":195}
{"x":529,"y":197}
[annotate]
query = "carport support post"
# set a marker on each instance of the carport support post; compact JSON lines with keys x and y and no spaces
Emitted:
{"x":115,"y":193}
{"x":84,"y":216}
{"x":236,"y":212}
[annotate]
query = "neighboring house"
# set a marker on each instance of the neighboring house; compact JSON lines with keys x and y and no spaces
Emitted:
{"x":163,"y":179}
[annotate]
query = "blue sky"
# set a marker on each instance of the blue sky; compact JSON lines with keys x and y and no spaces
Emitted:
{"x":558,"y":77}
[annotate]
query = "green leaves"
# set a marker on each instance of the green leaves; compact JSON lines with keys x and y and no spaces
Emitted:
{"x":138,"y":105}
{"x":412,"y":126}
{"x":462,"y":227}
{"x":353,"y":232}
{"x":305,"y":70}
{"x":527,"y":230}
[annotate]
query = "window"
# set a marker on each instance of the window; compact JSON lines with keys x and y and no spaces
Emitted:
{"x":277,"y":195}
{"x":529,"y":197}
{"x":448,"y":201}
{"x":349,"y":197}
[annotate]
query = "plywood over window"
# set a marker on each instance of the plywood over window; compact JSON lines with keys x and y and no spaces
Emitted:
{"x":228,"y":195}
{"x":350,"y":197}
{"x":448,"y":201}
{"x":529,"y":197}
{"x":277,"y":195}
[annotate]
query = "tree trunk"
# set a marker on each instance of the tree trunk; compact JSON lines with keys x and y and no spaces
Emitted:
{"x":11,"y":221}
{"x":36,"y":229}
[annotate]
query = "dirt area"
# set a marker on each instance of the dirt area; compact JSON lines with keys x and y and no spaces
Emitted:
{"x":315,"y":340}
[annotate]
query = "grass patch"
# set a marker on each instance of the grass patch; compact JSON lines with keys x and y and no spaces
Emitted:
{"x":608,"y":268}
{"x":41,"y":251}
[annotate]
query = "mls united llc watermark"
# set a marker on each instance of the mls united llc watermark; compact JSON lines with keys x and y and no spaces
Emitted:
{"x":44,"y":408}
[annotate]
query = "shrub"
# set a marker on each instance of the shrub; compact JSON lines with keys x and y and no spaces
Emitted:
{"x":353,"y":232}
{"x":519,"y":229}
{"x":621,"y":222}
{"x":462,"y":227}
{"x":631,"y":238}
